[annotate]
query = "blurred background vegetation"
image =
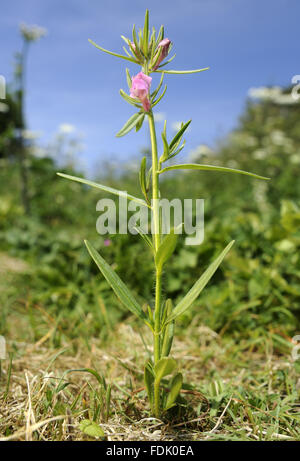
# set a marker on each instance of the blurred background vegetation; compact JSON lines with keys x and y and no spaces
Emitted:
{"x":48,"y":278}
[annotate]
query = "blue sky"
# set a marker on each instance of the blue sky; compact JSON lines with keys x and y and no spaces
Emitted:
{"x":246,"y":43}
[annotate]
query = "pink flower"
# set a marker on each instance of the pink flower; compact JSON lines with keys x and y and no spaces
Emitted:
{"x":140,"y":89}
{"x":165,"y":43}
{"x":107,"y":242}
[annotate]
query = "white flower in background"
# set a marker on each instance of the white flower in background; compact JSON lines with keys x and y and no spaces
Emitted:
{"x":278,"y":137}
{"x":273,"y":94}
{"x":32,"y":33}
{"x":260,"y":154}
{"x":295,"y":159}
{"x":66,"y":128}
{"x":4,"y":107}
{"x":196,"y":154}
{"x":31,"y":135}
{"x":264,"y":93}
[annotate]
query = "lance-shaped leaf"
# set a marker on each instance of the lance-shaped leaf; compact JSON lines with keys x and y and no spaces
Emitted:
{"x":149,"y":382}
{"x":169,"y":330}
{"x":166,"y":248}
{"x":146,"y":33}
{"x":142,"y":176}
{"x":175,"y":386}
{"x":194,"y":71}
{"x":139,"y":124}
{"x":165,"y":366}
{"x":160,"y":97}
{"x":120,"y":193}
{"x":145,"y":237}
{"x":166,"y":151}
{"x":155,"y":92}
{"x":119,"y":287}
{"x":112,"y":53}
{"x":177,"y":138}
{"x":197,"y":166}
{"x":130,"y":124}
{"x":194,"y":292}
{"x":128,"y":78}
{"x":167,"y":62}
{"x":132,"y":101}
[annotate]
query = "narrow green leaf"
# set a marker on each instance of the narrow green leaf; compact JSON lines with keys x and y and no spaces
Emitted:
{"x":130,"y":124}
{"x":127,"y":52}
{"x":178,"y":136}
{"x":134,"y":102}
{"x":176,"y":152}
{"x":142,"y":176}
{"x":194,"y":292}
{"x":120,"y":193}
{"x":166,"y":248}
{"x":146,"y":33}
{"x":160,"y":97}
{"x":167,"y":62}
{"x":160,"y":36}
{"x":145,"y":237}
{"x":119,"y":287}
{"x":128,"y":78}
{"x":175,"y":387}
{"x":182,"y":71}
{"x":156,"y":58}
{"x":135,"y":41}
{"x":197,"y":166}
{"x":149,"y":383}
{"x":155,"y":92}
{"x":139,"y":124}
{"x":165,"y":366}
{"x":152,"y":44}
{"x":169,"y":330}
{"x":112,"y":53}
{"x":166,"y":152}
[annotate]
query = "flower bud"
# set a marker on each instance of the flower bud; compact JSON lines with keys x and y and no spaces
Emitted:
{"x":140,"y":89}
{"x":164,"y":44}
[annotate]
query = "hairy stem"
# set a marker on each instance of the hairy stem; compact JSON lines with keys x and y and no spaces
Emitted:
{"x":157,"y":237}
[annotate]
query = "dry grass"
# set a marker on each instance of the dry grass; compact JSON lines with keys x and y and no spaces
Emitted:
{"x":238,"y":394}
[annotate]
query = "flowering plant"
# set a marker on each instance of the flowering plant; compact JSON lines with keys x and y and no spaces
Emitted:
{"x":150,"y":52}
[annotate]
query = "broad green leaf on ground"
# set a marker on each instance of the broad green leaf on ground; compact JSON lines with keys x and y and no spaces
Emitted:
{"x":105,"y":188}
{"x":175,"y":386}
{"x":194,"y":292}
{"x":149,"y":383}
{"x":165,"y":366}
{"x":91,"y":428}
{"x":198,"y":166}
{"x":116,"y":283}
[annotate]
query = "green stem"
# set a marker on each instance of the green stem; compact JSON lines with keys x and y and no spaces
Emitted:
{"x":157,"y":236}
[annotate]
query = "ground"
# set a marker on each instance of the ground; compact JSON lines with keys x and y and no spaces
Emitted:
{"x":239,"y":389}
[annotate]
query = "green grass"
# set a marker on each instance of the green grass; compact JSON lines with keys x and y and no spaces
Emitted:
{"x":239,"y":388}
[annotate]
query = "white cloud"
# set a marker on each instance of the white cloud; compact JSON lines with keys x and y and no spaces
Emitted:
{"x":66,"y":128}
